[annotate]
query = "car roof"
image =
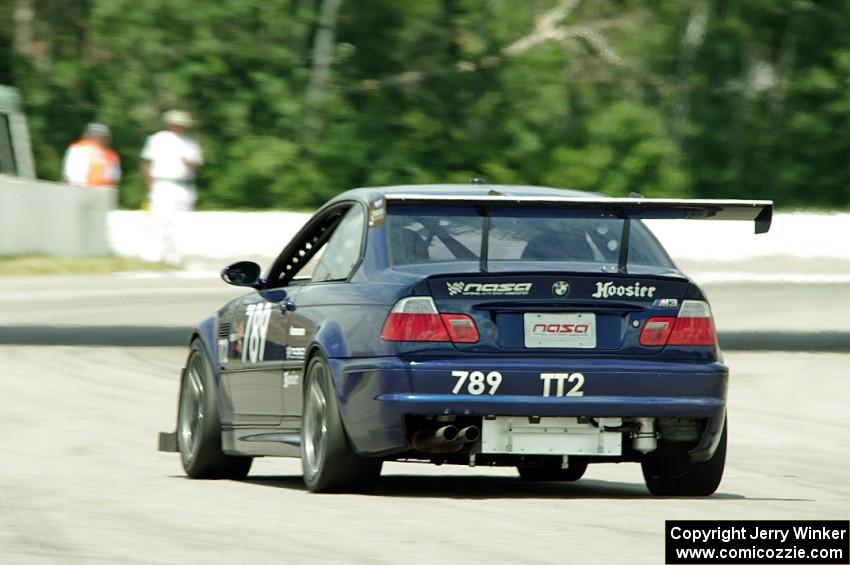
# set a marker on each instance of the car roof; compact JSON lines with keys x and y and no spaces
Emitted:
{"x":370,"y":194}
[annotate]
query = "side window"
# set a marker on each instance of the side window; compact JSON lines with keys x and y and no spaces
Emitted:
{"x":306,"y":272}
{"x":342,"y":250}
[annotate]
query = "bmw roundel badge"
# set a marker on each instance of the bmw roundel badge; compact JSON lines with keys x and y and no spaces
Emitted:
{"x":561,"y":288}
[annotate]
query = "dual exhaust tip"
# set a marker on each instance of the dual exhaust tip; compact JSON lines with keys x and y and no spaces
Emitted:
{"x":446,"y":439}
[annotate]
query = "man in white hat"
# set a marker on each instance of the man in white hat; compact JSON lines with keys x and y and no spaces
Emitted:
{"x":171,"y":159}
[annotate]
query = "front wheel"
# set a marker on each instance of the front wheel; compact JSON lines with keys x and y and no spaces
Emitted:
{"x":668,"y":476}
{"x":198,"y":427}
{"x":327,"y":460}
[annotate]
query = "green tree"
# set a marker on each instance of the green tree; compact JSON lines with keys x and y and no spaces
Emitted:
{"x":298,"y":100}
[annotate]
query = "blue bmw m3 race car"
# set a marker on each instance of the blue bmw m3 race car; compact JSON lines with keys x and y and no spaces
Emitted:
{"x":539,"y":328}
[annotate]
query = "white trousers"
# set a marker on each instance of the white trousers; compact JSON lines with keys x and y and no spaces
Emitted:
{"x":169,"y":202}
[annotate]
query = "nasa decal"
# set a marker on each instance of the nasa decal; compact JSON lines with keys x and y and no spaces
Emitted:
{"x":488,"y":289}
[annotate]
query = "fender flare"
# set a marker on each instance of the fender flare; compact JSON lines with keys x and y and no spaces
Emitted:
{"x":206,"y":333}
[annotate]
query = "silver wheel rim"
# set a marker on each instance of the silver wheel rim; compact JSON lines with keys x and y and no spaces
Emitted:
{"x":315,"y":424}
{"x":191,"y":408}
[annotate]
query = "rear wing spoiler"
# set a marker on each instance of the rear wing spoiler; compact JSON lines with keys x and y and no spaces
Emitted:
{"x":758,"y":211}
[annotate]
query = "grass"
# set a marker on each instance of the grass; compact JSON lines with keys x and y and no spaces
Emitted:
{"x":19,"y":265}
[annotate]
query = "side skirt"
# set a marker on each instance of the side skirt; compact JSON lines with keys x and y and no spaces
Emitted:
{"x":258,"y":442}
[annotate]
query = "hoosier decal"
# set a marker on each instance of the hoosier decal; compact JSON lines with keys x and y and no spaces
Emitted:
{"x":608,"y":289}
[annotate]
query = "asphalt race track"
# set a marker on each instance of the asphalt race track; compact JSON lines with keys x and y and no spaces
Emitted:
{"x":89,"y":377}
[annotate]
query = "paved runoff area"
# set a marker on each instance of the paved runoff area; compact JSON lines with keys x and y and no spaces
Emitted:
{"x":90,"y":367}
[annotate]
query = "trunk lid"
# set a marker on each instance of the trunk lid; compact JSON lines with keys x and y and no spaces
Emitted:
{"x":559,"y":313}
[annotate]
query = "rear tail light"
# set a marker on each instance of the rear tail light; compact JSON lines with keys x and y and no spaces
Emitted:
{"x":417,"y":319}
{"x":693,"y":326}
{"x":656,"y":331}
{"x":461,"y":328}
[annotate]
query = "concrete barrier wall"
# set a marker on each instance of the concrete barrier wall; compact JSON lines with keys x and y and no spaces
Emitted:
{"x":48,"y":218}
{"x":798,"y":234}
{"x":231,"y":235}
{"x":58,"y":219}
{"x":218,"y":235}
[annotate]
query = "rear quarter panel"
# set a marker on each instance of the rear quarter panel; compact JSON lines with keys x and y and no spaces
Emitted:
{"x":344,"y":319}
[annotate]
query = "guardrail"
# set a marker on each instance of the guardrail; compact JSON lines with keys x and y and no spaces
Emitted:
{"x":38,"y":217}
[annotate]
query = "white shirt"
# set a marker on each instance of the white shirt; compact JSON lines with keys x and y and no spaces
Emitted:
{"x":166,"y":151}
{"x":75,"y":168}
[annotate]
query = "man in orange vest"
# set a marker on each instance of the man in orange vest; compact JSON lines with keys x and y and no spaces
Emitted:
{"x":90,"y":162}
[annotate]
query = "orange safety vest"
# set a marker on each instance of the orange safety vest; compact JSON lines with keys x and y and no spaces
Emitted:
{"x":102,"y":164}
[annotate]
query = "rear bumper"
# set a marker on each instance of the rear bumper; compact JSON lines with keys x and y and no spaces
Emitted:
{"x":376,"y":394}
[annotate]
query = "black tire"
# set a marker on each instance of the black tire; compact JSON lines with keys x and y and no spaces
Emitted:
{"x":676,"y":476}
{"x":550,"y":470}
{"x":198,"y":425}
{"x":327,"y":460}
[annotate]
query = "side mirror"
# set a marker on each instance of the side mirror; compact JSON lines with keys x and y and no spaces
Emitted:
{"x":243,"y":273}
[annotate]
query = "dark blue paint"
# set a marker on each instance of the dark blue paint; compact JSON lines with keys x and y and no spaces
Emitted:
{"x":377,"y":393}
{"x":379,"y":382}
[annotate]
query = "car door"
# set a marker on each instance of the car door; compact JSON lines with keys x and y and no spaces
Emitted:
{"x":315,"y":302}
{"x":252,"y":373}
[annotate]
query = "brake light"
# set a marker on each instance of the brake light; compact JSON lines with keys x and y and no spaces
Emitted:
{"x":416,"y":319}
{"x":693,"y":326}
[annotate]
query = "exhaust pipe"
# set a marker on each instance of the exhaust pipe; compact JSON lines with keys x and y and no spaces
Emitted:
{"x":645,"y":439}
{"x":441,"y":440}
{"x":469,"y":434}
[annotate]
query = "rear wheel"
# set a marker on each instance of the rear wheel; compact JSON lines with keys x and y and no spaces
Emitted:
{"x":327,"y":460}
{"x":198,"y":426}
{"x":550,"y":470}
{"x":676,"y":476}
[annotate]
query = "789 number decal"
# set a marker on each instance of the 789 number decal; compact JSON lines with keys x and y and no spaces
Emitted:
{"x":256,"y":331}
{"x":477,"y":382}
{"x":554,"y":384}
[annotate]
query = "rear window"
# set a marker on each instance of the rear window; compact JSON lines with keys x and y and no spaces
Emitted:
{"x":431,"y":234}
